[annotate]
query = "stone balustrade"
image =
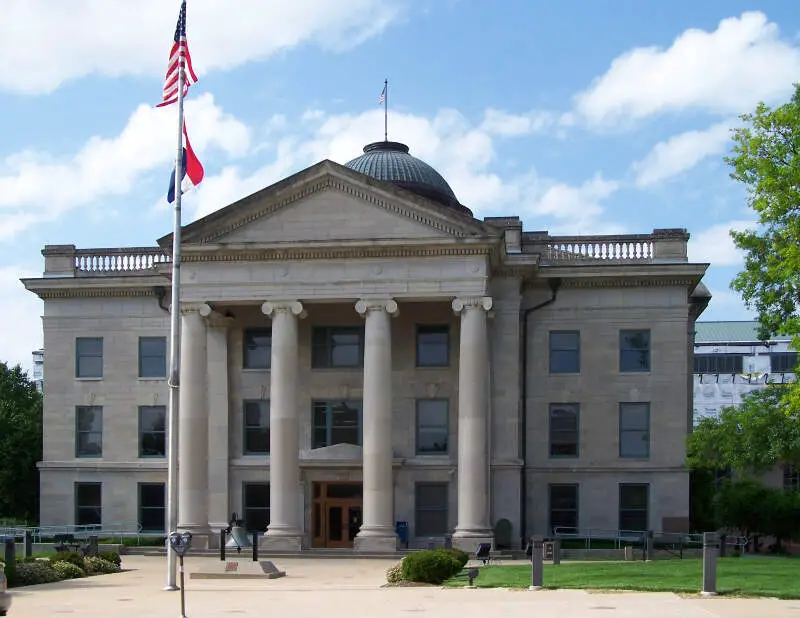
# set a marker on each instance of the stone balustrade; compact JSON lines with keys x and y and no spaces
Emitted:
{"x":663,"y":245}
{"x":67,"y":261}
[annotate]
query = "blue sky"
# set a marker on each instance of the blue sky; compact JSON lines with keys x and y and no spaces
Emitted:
{"x":580,"y":116}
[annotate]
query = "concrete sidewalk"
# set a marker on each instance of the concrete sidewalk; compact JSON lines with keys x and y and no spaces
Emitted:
{"x":350,"y":588}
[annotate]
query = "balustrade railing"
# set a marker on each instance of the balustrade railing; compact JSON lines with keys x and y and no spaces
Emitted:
{"x":128,"y":260}
{"x":628,"y":248}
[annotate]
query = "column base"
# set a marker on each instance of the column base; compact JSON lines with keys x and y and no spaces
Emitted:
{"x":282,"y":539}
{"x":202,"y":537}
{"x":375,"y":544}
{"x":469,"y":539}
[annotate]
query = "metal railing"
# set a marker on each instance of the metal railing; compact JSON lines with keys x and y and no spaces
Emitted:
{"x":601,"y":538}
{"x":115,"y":531}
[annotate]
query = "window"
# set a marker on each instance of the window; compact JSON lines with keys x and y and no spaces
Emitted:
{"x":88,"y":504}
{"x":336,"y":422}
{"x":791,"y":477}
{"x":433,"y":345}
{"x":337,"y":346}
{"x":256,"y":427}
{"x":89,"y":357}
{"x":634,"y":430}
{"x":152,"y":357}
{"x":564,"y":508}
{"x":634,"y":350}
{"x":564,"y":433}
{"x":783,"y":362}
{"x":255,"y":506}
{"x":89,"y":431}
{"x":257,"y":345}
{"x":152,"y":431}
{"x":152,"y":507}
{"x":565,"y":351}
{"x":431,"y":509}
{"x":718,"y":363}
{"x":432,"y":426}
{"x":633,"y":503}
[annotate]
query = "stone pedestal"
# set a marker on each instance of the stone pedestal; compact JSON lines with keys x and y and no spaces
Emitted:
{"x":285,"y":531}
{"x":377,"y":533}
{"x":473,"y":402}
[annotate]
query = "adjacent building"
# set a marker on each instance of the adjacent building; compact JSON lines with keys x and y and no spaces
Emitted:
{"x":731,"y":361}
{"x":359,"y":350}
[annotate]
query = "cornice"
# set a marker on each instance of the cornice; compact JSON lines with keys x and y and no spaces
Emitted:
{"x":629,"y":282}
{"x":331,"y":253}
{"x":95,"y":287}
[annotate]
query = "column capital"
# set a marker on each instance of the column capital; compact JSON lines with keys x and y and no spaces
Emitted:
{"x":271,"y":307}
{"x":204,"y":309}
{"x":217,"y":320}
{"x":389,"y":305}
{"x":462,"y":303}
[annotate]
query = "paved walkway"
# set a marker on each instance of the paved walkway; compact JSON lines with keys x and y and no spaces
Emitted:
{"x":333,"y":588}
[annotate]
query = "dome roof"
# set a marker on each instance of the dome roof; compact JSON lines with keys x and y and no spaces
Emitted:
{"x":390,"y":161}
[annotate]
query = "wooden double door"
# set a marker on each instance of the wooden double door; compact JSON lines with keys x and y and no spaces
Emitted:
{"x":336,"y":514}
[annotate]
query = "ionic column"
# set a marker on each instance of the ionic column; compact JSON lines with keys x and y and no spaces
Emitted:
{"x":473,"y":402}
{"x":193,"y":423}
{"x":219,"y":507}
{"x":285,"y":531}
{"x":377,"y":531}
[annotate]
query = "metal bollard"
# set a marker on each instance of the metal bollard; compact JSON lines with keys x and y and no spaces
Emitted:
{"x":255,"y":547}
{"x":723,"y":545}
{"x":222,"y":535}
{"x":648,"y":545}
{"x":537,"y":563}
{"x":710,"y":551}
{"x":10,"y":552}
{"x":556,"y":551}
{"x":27,"y":542}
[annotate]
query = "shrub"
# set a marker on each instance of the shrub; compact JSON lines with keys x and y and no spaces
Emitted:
{"x":99,"y":566}
{"x":394,"y":574}
{"x":429,"y":566}
{"x":33,"y":573}
{"x":67,"y":570}
{"x":460,"y":556}
{"x":111,"y":556}
{"x":72,"y":557}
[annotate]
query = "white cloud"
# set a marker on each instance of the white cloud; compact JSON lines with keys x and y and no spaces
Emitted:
{"x":498,"y":122}
{"x":36,"y":187}
{"x":725,"y":71}
{"x":63,"y":41}
{"x":681,"y":153}
{"x":21,"y":311}
{"x":579,"y":209}
{"x":715,"y":245}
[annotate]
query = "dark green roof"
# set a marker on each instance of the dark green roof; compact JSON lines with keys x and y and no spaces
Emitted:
{"x":730,"y":332}
{"x":391,"y":162}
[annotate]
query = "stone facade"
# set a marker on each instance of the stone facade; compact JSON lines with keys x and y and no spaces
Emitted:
{"x":330,"y":247}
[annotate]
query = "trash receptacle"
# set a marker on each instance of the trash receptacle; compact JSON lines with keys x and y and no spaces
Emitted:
{"x":401,"y":528}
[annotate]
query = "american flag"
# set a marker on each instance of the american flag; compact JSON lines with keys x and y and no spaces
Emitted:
{"x":382,"y":100}
{"x":178,"y":55}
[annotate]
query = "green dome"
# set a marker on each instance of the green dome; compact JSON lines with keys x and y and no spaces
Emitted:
{"x":391,"y":162}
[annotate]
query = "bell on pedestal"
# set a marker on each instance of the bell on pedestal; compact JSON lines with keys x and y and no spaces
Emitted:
{"x":239,"y":538}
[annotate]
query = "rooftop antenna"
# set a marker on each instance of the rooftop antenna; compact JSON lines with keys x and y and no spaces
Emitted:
{"x":384,"y":101}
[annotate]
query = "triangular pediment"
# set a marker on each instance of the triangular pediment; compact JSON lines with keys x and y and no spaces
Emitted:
{"x":328,"y":203}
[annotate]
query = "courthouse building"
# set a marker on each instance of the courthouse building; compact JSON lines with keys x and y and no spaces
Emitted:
{"x":359,"y":350}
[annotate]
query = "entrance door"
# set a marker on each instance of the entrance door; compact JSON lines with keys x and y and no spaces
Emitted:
{"x":336,"y":514}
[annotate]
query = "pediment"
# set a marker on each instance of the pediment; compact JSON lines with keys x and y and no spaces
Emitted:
{"x":328,"y":203}
{"x":335,"y":452}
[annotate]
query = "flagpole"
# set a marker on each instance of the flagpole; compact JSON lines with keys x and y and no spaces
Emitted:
{"x":175,"y":345}
{"x":386,"y":111}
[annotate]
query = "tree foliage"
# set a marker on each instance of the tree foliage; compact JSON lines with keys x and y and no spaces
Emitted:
{"x":766,"y":158}
{"x":750,"y":438}
{"x":20,"y":444}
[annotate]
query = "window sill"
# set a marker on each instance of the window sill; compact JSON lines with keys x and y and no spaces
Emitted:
{"x":79,"y":379}
{"x":440,"y":367}
{"x":160,"y":379}
{"x":256,"y":369}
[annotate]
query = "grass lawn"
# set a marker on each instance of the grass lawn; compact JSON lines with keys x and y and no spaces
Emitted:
{"x":774,"y":577}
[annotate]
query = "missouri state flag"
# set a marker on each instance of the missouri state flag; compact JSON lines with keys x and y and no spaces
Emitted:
{"x":191,"y":170}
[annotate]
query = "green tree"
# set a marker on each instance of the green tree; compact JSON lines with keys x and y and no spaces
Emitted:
{"x":750,"y":438}
{"x":766,"y":159}
{"x":20,"y":444}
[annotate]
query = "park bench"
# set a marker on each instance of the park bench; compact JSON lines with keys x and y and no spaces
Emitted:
{"x":68,"y":542}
